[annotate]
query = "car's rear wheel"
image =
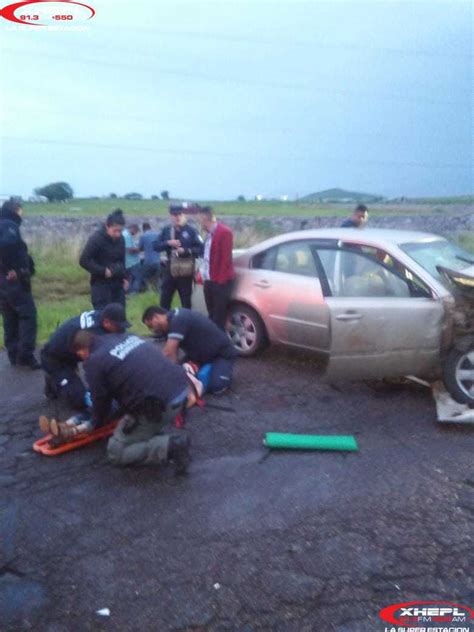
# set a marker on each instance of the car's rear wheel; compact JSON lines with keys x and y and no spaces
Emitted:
{"x":458,"y":375}
{"x":246,"y":330}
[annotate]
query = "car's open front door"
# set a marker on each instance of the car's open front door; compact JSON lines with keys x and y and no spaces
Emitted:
{"x":381,"y":324}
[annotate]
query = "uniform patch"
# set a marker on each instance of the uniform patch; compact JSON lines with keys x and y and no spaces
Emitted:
{"x":122,"y":350}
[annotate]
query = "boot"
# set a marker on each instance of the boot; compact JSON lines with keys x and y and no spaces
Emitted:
{"x":44,"y":424}
{"x":31,"y":363}
{"x":178,"y":453}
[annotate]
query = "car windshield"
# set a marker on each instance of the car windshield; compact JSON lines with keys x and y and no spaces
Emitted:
{"x":439,"y":252}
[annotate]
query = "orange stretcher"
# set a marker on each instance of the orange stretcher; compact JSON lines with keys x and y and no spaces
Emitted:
{"x":49,"y":446}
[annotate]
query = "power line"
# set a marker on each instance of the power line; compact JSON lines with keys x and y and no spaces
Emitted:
{"x":178,"y":152}
{"x":245,"y":82}
{"x":225,"y":37}
{"x":307,"y":157}
{"x":236,"y":125}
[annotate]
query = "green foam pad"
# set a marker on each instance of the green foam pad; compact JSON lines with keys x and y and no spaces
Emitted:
{"x":309,"y":442}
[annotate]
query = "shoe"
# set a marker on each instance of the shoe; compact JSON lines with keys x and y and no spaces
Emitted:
{"x":44,"y":424}
{"x":178,"y":453}
{"x":32,"y":363}
{"x":12,"y":359}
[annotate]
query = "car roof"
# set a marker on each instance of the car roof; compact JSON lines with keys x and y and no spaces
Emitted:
{"x":378,"y":236}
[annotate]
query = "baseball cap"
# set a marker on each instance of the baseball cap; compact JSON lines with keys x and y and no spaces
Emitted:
{"x":116,"y":313}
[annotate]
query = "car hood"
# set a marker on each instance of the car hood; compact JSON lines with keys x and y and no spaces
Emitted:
{"x":462,"y":280}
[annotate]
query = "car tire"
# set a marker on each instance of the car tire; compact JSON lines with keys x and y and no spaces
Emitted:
{"x":246,"y":330}
{"x":458,"y":368}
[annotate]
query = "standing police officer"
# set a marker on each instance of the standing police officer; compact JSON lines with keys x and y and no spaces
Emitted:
{"x":104,"y":258}
{"x":182,"y":244}
{"x":16,"y":300}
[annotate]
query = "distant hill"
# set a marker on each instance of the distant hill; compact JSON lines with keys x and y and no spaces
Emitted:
{"x":341,"y":195}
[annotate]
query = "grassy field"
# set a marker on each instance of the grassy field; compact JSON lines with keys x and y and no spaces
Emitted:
{"x":101,"y":207}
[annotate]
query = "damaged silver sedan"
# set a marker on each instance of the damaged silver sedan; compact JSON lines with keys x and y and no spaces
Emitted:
{"x":374,"y":303}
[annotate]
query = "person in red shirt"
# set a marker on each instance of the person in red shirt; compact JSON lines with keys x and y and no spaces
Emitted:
{"x":218,"y":270}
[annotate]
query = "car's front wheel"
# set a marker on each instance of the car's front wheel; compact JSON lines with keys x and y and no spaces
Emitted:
{"x":458,"y":375}
{"x":246,"y":330}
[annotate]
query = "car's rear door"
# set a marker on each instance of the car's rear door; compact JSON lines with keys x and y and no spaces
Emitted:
{"x":285,"y":289}
{"x":383,"y":321}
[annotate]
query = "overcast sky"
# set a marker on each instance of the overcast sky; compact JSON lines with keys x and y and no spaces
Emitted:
{"x":212,"y":100}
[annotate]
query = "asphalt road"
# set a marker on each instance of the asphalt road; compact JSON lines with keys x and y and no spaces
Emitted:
{"x":250,"y":540}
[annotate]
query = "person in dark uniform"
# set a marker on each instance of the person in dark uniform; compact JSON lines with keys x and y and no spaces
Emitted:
{"x":358,"y":218}
{"x":202,"y":341}
{"x":16,"y":300}
{"x":104,"y":258}
{"x":182,"y":244}
{"x":60,"y":362}
{"x":150,"y":391}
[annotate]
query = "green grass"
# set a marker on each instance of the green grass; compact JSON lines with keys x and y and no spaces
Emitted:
{"x":466,"y":240}
{"x":101,"y":207}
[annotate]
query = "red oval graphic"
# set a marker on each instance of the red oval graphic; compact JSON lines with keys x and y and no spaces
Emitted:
{"x":438,"y":611}
{"x":8,"y":12}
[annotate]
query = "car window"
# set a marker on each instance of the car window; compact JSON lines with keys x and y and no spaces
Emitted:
{"x":358,"y":274}
{"x":416,"y":285}
{"x":265,"y":260}
{"x":295,"y":258}
{"x":439,"y":252}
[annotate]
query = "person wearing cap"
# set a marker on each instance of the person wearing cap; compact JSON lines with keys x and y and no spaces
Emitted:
{"x":149,"y":390}
{"x":358,"y":218}
{"x":16,"y":300}
{"x":59,"y":361}
{"x":104,"y":258}
{"x":183,"y":244}
{"x":202,"y":341}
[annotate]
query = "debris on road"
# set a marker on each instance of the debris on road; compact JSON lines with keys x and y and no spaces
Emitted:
{"x":289,"y":441}
{"x":103,"y":612}
{"x":448,"y":410}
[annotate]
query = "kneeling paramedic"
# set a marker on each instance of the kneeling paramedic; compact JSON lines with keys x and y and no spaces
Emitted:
{"x":202,"y":341}
{"x":150,"y":391}
{"x":60,"y":363}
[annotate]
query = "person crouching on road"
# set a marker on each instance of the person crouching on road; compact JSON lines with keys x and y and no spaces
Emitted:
{"x":201,"y":340}
{"x":60,"y":362}
{"x":150,"y":390}
{"x":182,"y":244}
{"x":218,"y":269}
{"x":104,"y":258}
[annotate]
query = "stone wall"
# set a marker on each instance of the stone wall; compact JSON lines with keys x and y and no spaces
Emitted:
{"x":53,"y":229}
